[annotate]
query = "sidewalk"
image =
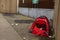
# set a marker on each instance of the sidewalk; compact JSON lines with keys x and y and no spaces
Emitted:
{"x":6,"y":31}
{"x":23,"y":25}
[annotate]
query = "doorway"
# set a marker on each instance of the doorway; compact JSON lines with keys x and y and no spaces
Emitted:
{"x":44,"y":7}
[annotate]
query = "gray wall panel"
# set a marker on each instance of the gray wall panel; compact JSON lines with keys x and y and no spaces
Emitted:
{"x":36,"y":12}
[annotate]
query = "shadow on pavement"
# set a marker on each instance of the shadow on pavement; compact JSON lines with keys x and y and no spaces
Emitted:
{"x":24,"y":21}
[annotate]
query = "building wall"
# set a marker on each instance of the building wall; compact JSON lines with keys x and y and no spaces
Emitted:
{"x":36,"y":12}
{"x":8,"y":6}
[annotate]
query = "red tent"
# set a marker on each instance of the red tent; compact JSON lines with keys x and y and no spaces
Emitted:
{"x":40,"y":26}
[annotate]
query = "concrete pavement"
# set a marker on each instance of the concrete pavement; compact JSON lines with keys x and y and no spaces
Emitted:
{"x":6,"y":31}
